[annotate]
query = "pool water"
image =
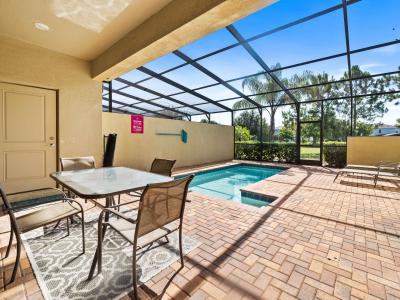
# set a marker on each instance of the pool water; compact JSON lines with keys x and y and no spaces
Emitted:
{"x":226,"y":182}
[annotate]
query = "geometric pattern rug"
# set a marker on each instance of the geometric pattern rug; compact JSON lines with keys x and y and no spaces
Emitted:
{"x":61,"y":270}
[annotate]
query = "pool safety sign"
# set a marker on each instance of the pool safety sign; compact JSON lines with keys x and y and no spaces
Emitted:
{"x":137,"y":124}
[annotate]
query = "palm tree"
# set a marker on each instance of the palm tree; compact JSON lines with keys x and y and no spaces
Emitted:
{"x":260,"y":84}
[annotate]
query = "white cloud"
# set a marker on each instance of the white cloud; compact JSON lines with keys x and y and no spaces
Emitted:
{"x":370,"y":66}
{"x":389,"y":49}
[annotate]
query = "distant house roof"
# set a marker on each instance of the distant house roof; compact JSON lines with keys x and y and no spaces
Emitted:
{"x":380,"y":126}
{"x":392,"y":134}
{"x":385,"y":130}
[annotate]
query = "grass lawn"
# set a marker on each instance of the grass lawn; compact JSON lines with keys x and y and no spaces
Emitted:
{"x":309,"y":153}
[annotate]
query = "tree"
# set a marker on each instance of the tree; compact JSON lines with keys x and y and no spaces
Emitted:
{"x":242,"y":134}
{"x":206,"y":121}
{"x":369,"y":108}
{"x":286,"y":134}
{"x":398,"y":122}
{"x":336,"y":113}
{"x":262,"y":84}
{"x":289,"y":126}
{"x":364,"y":129}
{"x":251,"y":120}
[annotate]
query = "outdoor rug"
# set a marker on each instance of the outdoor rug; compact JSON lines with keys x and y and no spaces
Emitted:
{"x":62,"y":271}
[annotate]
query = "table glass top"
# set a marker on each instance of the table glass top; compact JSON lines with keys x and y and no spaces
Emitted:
{"x":94,"y":183}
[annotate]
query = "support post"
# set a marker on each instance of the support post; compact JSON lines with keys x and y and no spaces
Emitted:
{"x":321,"y":137}
{"x":110,"y":108}
{"x":298,"y":140}
{"x":261,"y":134}
{"x":346,"y":30}
{"x":234,"y":131}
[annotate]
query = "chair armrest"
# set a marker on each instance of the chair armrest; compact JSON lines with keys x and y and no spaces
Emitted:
{"x":122,"y":204}
{"x":37,"y":190}
{"x":136,"y":193}
{"x":394,"y":164}
{"x":73,"y":201}
{"x":117,"y":213}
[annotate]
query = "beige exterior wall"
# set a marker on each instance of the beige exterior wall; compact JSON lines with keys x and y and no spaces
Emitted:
{"x":206,"y":142}
{"x":79,"y":96}
{"x":370,"y":150}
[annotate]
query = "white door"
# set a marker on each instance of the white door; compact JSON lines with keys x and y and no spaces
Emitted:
{"x":27,"y":137}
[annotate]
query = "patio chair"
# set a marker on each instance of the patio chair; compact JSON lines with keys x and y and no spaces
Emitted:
{"x":389,"y":169}
{"x":159,"y":166}
{"x":75,"y":164}
{"x":162,"y":166}
{"x":80,"y":163}
{"x":37,"y":218}
{"x":160,"y":213}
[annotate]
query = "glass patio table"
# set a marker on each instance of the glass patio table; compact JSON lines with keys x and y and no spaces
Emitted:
{"x":105,"y":183}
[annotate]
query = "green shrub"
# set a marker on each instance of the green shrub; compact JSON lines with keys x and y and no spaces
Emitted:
{"x":283,"y":152}
{"x":334,"y":152}
{"x":247,"y":151}
{"x":269,"y":152}
{"x":287,"y":153}
{"x":335,"y":156}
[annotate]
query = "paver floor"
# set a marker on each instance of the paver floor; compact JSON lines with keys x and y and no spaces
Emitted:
{"x":318,"y":240}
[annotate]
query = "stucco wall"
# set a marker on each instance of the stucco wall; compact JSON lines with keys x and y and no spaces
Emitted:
{"x":206,"y":142}
{"x":370,"y":150}
{"x":79,"y":95}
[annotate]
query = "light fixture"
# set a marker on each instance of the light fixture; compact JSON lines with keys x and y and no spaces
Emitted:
{"x":41,"y":26}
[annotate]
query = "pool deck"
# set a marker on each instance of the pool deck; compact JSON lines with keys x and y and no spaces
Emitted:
{"x":319,"y":239}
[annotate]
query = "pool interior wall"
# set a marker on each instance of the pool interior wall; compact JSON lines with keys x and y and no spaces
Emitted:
{"x":226,"y":182}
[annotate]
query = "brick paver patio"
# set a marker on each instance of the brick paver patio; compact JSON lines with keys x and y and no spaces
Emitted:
{"x":317,"y":240}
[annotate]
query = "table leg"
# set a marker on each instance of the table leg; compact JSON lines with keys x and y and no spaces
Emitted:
{"x":106,"y":218}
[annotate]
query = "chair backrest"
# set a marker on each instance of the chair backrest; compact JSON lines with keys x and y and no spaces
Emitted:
{"x":161,"y":204}
{"x":77,"y":163}
{"x":162,"y":166}
{"x":5,"y":205}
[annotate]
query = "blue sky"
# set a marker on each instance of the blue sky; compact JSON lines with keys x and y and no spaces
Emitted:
{"x":370,"y":22}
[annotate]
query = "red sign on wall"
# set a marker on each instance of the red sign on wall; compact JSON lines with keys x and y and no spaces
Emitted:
{"x":137,"y":124}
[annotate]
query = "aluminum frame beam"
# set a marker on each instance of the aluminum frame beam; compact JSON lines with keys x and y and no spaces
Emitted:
{"x":150,"y":102}
{"x":183,"y":88}
{"x":135,"y":85}
{"x":138,"y":108}
{"x":213,"y":76}
{"x":259,"y":60}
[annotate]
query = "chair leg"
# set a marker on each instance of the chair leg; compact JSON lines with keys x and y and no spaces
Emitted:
{"x":337,"y":175}
{"x":9,"y":243}
{"x":57,"y":224}
{"x":99,"y":247}
{"x":102,"y":231}
{"x":17,"y":258}
{"x":67,"y":226}
{"x":180,"y":245}
{"x":119,"y":201}
{"x":134,"y":275}
{"x":83,"y":234}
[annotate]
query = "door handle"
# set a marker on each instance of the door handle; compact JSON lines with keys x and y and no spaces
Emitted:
{"x":52,"y":145}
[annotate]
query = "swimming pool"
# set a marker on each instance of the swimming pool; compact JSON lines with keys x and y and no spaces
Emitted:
{"x":226,"y":182}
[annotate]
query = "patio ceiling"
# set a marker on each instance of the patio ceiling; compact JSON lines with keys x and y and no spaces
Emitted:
{"x":206,"y":76}
{"x":82,"y":29}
